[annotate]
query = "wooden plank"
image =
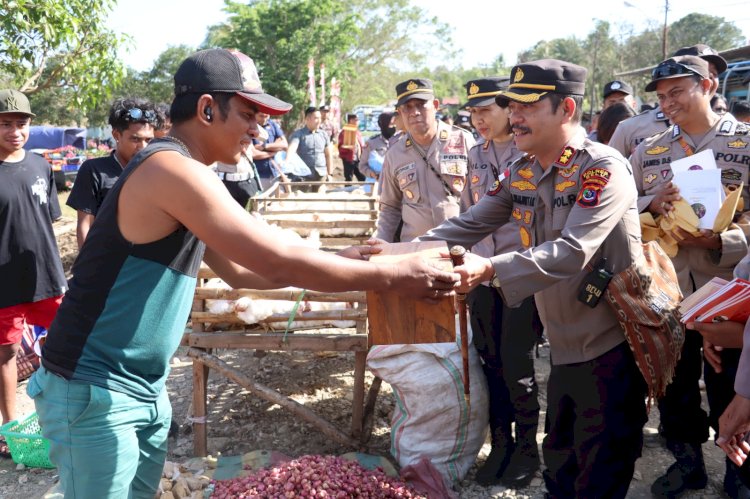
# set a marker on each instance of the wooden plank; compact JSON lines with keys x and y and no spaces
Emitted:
{"x":396,"y":319}
{"x":267,"y":215}
{"x":316,"y":315}
{"x":200,"y":395}
{"x":331,"y":197}
{"x":274,"y":397}
{"x":279,"y":294}
{"x":322,"y":224}
{"x":279,"y":341}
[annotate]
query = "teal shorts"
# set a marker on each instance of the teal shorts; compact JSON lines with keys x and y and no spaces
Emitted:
{"x":105,"y":444}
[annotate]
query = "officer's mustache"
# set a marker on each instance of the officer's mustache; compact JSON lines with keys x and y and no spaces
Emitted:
{"x":519,"y":128}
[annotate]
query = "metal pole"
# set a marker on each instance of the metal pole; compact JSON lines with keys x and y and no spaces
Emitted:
{"x":664,"y":34}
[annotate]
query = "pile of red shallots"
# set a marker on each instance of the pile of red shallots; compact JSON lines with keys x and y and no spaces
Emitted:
{"x":314,"y":477}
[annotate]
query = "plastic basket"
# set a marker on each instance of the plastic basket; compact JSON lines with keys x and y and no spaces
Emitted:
{"x":26,"y":444}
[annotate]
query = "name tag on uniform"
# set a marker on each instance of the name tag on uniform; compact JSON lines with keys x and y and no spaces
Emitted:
{"x":405,"y":168}
{"x":453,"y":164}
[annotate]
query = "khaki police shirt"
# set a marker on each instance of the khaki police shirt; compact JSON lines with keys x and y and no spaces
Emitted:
{"x":632,"y":131}
{"x":651,"y":168}
{"x":380,"y":146}
{"x":488,"y":163}
{"x":415,"y":193}
{"x":582,"y":208}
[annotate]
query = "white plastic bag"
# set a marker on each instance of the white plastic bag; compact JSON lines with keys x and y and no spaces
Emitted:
{"x":431,"y":418}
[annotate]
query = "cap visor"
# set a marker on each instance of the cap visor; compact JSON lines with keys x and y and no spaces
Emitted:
{"x":267,"y":103}
{"x":652,"y":84}
{"x":716,"y":60}
{"x":30,"y":115}
{"x":520,"y":95}
{"x":424,"y":96}
{"x":481,"y":102}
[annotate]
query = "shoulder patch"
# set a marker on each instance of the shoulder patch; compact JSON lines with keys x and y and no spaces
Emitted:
{"x":726,"y":127}
{"x":496,"y":187}
{"x":737,"y":144}
{"x":565,"y":156}
{"x":650,"y":178}
{"x":657,"y":150}
{"x":596,"y":175}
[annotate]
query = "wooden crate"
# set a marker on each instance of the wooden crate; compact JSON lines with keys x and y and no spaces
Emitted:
{"x":278,"y":206}
{"x":203,"y":341}
{"x":396,"y":319}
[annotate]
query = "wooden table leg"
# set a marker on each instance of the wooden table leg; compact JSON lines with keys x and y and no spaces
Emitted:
{"x":199,"y":417}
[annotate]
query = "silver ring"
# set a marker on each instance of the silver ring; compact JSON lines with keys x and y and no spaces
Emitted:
{"x":663,"y":205}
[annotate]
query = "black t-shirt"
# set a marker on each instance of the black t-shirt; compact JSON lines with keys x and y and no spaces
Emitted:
{"x":94,"y":180}
{"x":30,"y":267}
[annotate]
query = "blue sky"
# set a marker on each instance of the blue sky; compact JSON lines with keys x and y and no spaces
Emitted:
{"x":483,"y":30}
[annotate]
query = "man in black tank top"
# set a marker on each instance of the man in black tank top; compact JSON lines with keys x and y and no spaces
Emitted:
{"x":100,"y":395}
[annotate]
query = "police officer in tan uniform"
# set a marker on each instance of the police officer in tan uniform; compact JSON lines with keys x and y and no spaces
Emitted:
{"x":424,"y":173}
{"x":574,"y":205}
{"x":504,"y":336}
{"x":635,"y":130}
{"x":377,"y":144}
{"x":684,"y":87}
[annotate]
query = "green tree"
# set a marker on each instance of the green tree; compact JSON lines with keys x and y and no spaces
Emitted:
{"x":714,"y":31}
{"x":61,"y":45}
{"x":283,"y":35}
{"x":365,"y":44}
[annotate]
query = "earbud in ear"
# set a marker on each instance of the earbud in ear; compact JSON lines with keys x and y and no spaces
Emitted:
{"x":209,"y":114}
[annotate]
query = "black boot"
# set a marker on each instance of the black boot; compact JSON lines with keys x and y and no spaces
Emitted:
{"x":495,"y":465}
{"x":524,"y":463}
{"x":733,"y":485}
{"x":500,"y":429}
{"x":688,"y":472}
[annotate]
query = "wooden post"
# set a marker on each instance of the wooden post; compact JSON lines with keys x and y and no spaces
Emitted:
{"x":358,"y":399}
{"x":200,"y":392}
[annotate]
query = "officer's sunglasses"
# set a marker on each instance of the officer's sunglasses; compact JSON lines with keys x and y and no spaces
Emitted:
{"x":672,"y":68}
{"x":138,"y":114}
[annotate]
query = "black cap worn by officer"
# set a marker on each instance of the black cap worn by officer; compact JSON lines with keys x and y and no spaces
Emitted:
{"x":14,"y":102}
{"x":678,"y":67}
{"x":616,"y":86}
{"x":415,"y":88}
{"x":482,"y":91}
{"x":531,"y":81}
{"x":707,"y":54}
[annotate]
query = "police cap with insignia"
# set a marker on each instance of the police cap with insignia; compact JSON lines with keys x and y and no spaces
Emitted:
{"x":416,"y":88}
{"x":678,"y":67}
{"x":531,"y":81}
{"x":13,"y":101}
{"x":482,"y":92}
{"x":706,"y":53}
{"x":616,"y":86}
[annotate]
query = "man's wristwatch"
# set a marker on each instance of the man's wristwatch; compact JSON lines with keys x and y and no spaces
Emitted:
{"x":495,"y":282}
